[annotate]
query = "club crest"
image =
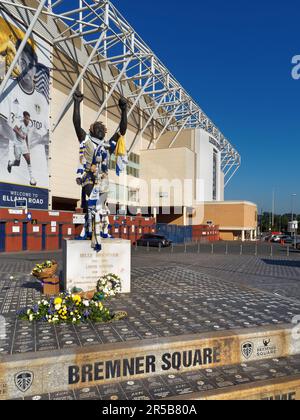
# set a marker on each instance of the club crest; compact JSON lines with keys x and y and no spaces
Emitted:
{"x":247,"y":350}
{"x":37,"y":109}
{"x":23,"y":381}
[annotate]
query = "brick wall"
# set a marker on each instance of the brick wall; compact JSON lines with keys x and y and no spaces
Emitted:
{"x":18,"y":233}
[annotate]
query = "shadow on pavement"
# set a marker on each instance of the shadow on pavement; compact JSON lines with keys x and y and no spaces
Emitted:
{"x":33,"y":285}
{"x":285,"y":263}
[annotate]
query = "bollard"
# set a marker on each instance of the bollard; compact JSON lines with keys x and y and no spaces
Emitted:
{"x":241,"y":250}
{"x":159,"y":247}
{"x":288,"y":251}
{"x":185,"y":249}
{"x":148,"y":247}
{"x":212,"y":248}
{"x":2,"y":328}
{"x":198,"y":247}
{"x":256,"y":250}
{"x":226,"y":251}
{"x":271,"y":251}
{"x":172,"y":248}
{"x":136,"y":246}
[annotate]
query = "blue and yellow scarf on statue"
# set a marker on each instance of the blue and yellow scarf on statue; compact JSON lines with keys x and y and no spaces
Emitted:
{"x":121,"y":156}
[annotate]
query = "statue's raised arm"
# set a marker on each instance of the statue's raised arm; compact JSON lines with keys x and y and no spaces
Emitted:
{"x":78,"y":98}
{"x":123,"y":125}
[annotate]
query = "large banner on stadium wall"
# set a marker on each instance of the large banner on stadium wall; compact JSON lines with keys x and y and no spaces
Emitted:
{"x":24,"y":118}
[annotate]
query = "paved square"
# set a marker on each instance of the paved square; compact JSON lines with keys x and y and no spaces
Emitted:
{"x":165,"y":302}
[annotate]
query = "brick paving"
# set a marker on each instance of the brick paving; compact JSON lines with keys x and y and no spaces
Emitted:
{"x":165,"y":302}
{"x":173,"y":294}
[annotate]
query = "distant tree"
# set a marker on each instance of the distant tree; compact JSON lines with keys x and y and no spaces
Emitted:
{"x":281,"y":222}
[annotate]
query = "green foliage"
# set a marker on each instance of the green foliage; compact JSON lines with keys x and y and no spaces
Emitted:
{"x":40,"y":267}
{"x":281,"y":222}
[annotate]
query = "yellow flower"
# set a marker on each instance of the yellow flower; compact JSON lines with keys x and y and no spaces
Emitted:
{"x":76,"y":299}
{"x":58,"y":301}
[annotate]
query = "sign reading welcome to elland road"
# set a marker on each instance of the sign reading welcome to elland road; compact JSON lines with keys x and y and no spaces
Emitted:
{"x":24,"y":117}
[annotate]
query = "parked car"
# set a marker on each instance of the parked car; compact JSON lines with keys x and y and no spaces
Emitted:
{"x":269,"y":238}
{"x":287,"y":239}
{"x":154,"y":241}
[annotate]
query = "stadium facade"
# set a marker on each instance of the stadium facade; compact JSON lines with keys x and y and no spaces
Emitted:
{"x":179,"y":161}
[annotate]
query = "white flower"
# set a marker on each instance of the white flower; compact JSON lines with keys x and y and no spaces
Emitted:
{"x":28,"y":312}
{"x":86,"y":303}
{"x":58,"y":307}
{"x":31,"y":318}
{"x":74,"y":319}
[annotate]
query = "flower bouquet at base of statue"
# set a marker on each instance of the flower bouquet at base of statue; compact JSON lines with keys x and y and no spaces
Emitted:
{"x":45,"y":270}
{"x":108,"y":286}
{"x":67,"y":308}
{"x":76,"y":307}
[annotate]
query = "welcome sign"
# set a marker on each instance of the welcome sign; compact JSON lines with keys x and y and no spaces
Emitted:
{"x":36,"y":198}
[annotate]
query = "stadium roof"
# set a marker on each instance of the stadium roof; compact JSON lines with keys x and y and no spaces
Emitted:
{"x":110,"y":41}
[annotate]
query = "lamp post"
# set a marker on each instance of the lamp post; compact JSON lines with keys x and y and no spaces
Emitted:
{"x":293,"y":200}
{"x":273,"y":210}
{"x":294,"y":230}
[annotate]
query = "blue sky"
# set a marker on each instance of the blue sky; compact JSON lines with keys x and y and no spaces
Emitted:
{"x":234,"y":57}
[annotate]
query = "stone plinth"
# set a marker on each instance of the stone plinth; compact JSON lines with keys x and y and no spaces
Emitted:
{"x":83,"y":266}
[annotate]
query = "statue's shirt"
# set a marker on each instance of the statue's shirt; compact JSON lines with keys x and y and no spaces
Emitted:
{"x":86,"y":156}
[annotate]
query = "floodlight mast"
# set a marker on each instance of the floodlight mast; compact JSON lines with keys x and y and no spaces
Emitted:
{"x":110,"y":40}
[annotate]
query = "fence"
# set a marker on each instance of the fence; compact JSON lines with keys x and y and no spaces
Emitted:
{"x":187,"y":234}
{"x":45,"y":230}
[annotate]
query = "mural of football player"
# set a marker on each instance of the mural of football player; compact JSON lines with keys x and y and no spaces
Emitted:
{"x":24,"y":121}
{"x":21,"y":146}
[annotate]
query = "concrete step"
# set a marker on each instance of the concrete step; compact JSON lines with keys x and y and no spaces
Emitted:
{"x":274,"y":379}
{"x":29,"y":374}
